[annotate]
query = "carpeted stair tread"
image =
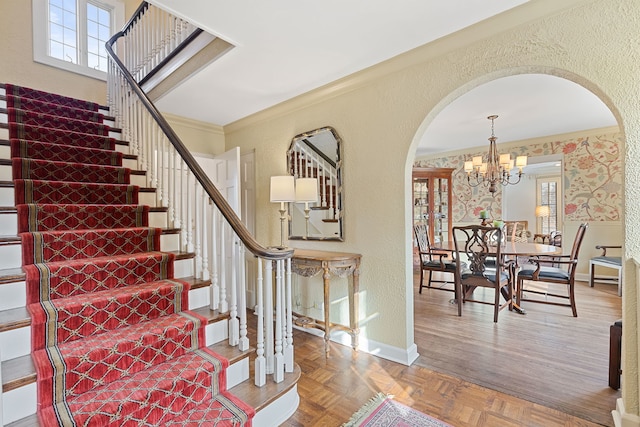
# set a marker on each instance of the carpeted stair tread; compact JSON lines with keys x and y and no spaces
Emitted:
{"x":26,"y":92}
{"x":150,"y":397}
{"x":50,"y":121}
{"x":61,"y":245}
{"x":92,"y":313}
{"x":58,"y":110}
{"x":221,"y":411}
{"x":147,"y":396}
{"x":38,"y":191}
{"x":47,"y":170}
{"x":49,"y":217}
{"x":58,"y":136}
{"x":82,"y":365}
{"x":68,"y":153}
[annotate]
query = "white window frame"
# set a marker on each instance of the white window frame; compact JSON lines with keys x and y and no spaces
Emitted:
{"x":41,"y":34}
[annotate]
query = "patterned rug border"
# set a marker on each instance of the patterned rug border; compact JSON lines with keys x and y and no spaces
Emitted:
{"x":382,"y":411}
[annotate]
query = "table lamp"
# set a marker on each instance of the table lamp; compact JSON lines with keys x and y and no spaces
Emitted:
{"x":307,"y":192}
{"x":283,"y":191}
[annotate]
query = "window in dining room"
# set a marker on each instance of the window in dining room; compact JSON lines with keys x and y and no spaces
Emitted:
{"x":548,"y":194}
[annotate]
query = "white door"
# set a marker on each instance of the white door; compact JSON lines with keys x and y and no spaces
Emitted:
{"x":224,"y":172}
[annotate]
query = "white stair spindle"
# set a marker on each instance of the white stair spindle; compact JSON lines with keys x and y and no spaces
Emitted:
{"x":243,"y":343}
{"x":205,"y":236}
{"x":260,"y":372}
{"x":288,"y":350}
{"x":278,"y":368}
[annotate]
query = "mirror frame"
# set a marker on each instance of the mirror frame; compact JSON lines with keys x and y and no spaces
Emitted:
{"x":339,"y":196}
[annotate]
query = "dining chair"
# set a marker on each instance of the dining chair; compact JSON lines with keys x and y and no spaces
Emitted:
{"x":604,"y":260}
{"x":433,"y":261}
{"x":543,"y":270}
{"x":477,"y":244}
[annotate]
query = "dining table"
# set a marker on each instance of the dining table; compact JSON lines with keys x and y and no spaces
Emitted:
{"x":512,"y":250}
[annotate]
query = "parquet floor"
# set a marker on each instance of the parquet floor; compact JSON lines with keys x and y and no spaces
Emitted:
{"x":543,"y":369}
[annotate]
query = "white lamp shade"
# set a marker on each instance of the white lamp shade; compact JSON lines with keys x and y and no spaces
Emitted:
{"x":468,"y":166}
{"x":307,"y":190}
{"x":283,"y":189}
{"x":521,"y":161}
{"x":542,"y":211}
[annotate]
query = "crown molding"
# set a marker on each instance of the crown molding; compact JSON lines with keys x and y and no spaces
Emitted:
{"x":194,"y":124}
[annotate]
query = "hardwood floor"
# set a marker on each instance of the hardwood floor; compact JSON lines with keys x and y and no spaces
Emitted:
{"x":546,"y":368}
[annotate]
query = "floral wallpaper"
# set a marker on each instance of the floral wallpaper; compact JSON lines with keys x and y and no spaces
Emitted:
{"x":592,"y":184}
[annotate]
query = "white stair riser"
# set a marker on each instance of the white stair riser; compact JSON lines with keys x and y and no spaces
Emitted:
{"x":216,"y":332}
{"x":8,"y":224}
{"x":15,"y":343}
{"x":158,"y":219}
{"x":7,"y":197}
{"x":19,"y":403}
{"x":13,"y":295}
{"x":5,"y":152}
{"x":10,"y":256}
{"x":183,"y":268}
{"x":237,"y":373}
{"x":148,"y":199}
{"x":6,"y":173}
{"x":170,"y":242}
{"x":139,"y":180}
{"x":199,"y":297}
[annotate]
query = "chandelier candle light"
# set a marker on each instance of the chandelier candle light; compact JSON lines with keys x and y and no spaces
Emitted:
{"x":283,"y":191}
{"x":307,"y":192}
{"x":496,"y":170}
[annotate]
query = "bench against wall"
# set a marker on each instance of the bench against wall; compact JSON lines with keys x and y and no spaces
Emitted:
{"x":609,"y":262}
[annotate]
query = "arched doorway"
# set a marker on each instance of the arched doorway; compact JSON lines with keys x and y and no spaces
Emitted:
{"x":495,"y":343}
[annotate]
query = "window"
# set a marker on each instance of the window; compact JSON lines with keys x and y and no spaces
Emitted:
{"x":549,"y":195}
{"x":71,"y":34}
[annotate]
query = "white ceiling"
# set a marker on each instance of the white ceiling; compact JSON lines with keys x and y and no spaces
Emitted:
{"x":284,"y":48}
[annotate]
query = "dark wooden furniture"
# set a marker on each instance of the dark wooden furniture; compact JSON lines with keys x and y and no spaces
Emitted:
{"x":615,"y":353}
{"x":543,"y":271}
{"x":614,"y":262}
{"x":432,"y":201}
{"x":431,"y":261}
{"x":308,"y":263}
{"x":478,"y":244}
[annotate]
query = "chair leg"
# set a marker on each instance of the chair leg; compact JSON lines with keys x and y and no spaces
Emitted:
{"x":430,"y":276}
{"x":572,"y":299}
{"x":592,"y":268}
{"x":619,"y":282}
{"x":519,"y":291}
{"x":421,"y":280}
{"x":496,"y":305}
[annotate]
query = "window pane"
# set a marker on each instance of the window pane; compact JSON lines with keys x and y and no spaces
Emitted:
{"x":56,"y":33}
{"x":93,"y":60}
{"x":92,"y":29}
{"x":92,"y":12}
{"x":92,"y":45}
{"x":105,"y":33}
{"x":69,"y":20}
{"x":56,"y":50}
{"x":104,"y":17}
{"x":55,"y":15}
{"x":70,"y":37}
{"x":56,"y":3}
{"x":103,"y":64}
{"x":69,"y":5}
{"x":70,"y":54}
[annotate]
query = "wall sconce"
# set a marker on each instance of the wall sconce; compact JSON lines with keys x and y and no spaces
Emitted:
{"x":307,"y":192}
{"x":283,"y":191}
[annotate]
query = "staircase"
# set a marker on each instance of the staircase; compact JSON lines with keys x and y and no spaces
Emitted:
{"x":92,"y":265}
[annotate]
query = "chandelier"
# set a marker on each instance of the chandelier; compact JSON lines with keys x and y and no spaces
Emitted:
{"x":497,"y":168}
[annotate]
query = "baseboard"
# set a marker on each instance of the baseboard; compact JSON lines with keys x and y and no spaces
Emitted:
{"x":584,"y":277}
{"x":621,"y":418}
{"x":395,"y":354}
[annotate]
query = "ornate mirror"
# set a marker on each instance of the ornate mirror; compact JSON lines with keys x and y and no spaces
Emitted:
{"x":314,"y":159}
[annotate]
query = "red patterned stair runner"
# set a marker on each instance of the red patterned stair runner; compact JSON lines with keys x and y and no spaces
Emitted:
{"x":112,"y":340}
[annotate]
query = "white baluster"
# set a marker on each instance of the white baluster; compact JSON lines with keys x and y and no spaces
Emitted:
{"x":224,"y":304}
{"x":268,"y":316}
{"x":215,"y":286}
{"x":278,"y":369}
{"x":205,"y":236}
{"x":177,"y":177}
{"x":197,"y":229}
{"x":234,"y":326}
{"x":243,"y":343}
{"x":288,"y":350}
{"x":260,"y":377}
{"x":190,"y":220}
{"x":170,"y":183}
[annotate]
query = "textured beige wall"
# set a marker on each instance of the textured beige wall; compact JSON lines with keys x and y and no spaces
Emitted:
{"x":382,"y":113}
{"x":199,"y":137}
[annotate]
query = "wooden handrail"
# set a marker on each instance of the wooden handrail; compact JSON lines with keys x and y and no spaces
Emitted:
{"x":229,"y":214}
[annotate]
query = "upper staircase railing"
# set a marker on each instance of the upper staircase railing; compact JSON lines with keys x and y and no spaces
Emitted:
{"x":210,"y":227}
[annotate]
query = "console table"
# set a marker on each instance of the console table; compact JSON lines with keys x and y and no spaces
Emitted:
{"x":308,"y":263}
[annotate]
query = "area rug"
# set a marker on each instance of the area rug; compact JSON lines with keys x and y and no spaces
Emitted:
{"x":382,"y":411}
